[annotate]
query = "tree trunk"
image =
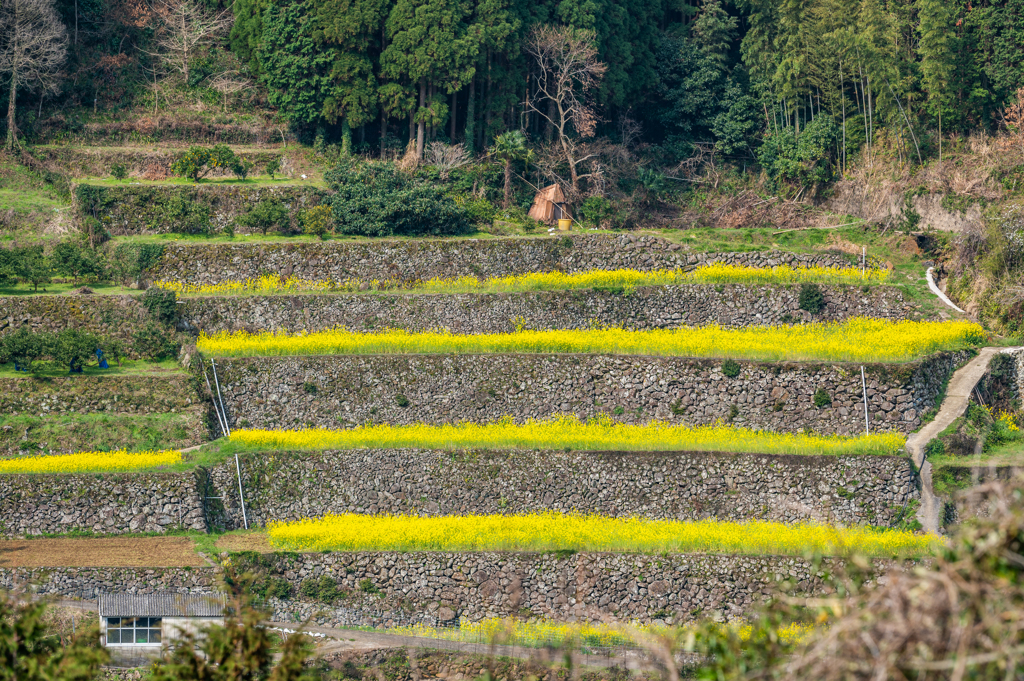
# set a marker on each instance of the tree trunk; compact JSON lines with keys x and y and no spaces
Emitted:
{"x":471,"y":117}
{"x":508,"y":183}
{"x":455,"y":101}
{"x":490,"y":99}
{"x":12,"y":130}
{"x":421,"y":127}
{"x":383,"y":131}
{"x":346,"y":137}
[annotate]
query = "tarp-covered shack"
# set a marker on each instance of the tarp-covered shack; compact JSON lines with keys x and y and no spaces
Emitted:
{"x":549,"y":205}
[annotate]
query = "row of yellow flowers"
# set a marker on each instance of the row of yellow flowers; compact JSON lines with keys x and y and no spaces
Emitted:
{"x":622,"y":278}
{"x":91,"y":462}
{"x":856,"y":340}
{"x":600,"y":433}
{"x":539,"y":633}
{"x":551,"y":531}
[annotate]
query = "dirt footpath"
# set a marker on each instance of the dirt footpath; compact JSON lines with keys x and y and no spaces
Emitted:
{"x":100,"y":552}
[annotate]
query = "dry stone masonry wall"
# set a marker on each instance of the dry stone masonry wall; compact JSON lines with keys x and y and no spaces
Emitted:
{"x":108,"y":316}
{"x":657,"y":307}
{"x":288,"y":486}
{"x":339,"y":391}
{"x":99,"y":503}
{"x":439,"y":588}
{"x":409,"y":261}
{"x":88,"y":583}
{"x":125,"y":394}
{"x":661,"y":485}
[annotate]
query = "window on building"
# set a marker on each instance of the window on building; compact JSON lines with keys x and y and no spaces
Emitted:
{"x":128,"y":631}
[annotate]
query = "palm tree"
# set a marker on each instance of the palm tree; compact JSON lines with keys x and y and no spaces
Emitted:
{"x":509,"y":146}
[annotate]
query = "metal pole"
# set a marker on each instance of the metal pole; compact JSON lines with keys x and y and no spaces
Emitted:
{"x":223,"y":430}
{"x":864,"y":387}
{"x":238,"y":466}
{"x":223,"y":410}
{"x":241,"y":496}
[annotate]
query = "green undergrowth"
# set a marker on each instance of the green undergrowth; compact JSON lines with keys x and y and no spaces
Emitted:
{"x":250,"y":181}
{"x":67,"y":433}
{"x":128,"y":368}
{"x":57,"y":288}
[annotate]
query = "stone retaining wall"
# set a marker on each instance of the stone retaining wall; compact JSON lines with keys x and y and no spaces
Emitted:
{"x":127,"y":210}
{"x":88,"y":583}
{"x":125,"y":394}
{"x":661,"y":485}
{"x":339,"y":391}
{"x":288,"y":486}
{"x":656,"y":307}
{"x":409,"y":261}
{"x":387,"y":588}
{"x":107,"y":316}
{"x":101,"y":503}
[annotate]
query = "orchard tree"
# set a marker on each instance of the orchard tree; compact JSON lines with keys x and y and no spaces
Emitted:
{"x":33,"y":46}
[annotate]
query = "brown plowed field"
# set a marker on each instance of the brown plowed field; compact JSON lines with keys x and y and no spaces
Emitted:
{"x":101,"y":552}
{"x":248,"y":541}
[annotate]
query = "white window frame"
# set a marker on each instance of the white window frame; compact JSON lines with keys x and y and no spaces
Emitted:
{"x":153,"y":624}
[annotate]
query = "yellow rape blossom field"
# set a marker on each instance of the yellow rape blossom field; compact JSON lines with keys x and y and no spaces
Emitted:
{"x":551,"y":531}
{"x":541,"y":633}
{"x":856,"y":340}
{"x":90,"y":462}
{"x":541,"y":281}
{"x":601,"y":433}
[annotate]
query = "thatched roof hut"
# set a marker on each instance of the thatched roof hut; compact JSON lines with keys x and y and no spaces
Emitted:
{"x":549,"y":205}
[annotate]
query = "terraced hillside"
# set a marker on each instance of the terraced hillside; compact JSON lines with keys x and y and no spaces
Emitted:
{"x":551,"y":435}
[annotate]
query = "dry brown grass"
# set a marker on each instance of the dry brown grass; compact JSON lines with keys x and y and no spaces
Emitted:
{"x":100,"y":552}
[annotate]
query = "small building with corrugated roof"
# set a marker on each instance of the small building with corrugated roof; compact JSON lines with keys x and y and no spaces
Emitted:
{"x":141,"y":625}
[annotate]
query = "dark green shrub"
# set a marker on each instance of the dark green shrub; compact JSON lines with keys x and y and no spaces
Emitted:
{"x":596,"y":210}
{"x":240,"y":168}
{"x":731,"y":368}
{"x":74,"y":347}
{"x":126,"y":262}
{"x":811,"y":298}
{"x":317,"y":221}
{"x":822,"y":398}
{"x":273,"y":167}
{"x":402,"y":401}
{"x":309,"y":388}
{"x":75,"y":260}
{"x":324,"y":590}
{"x":375,"y":199}
{"x":734,"y":411}
{"x":934,"y":448}
{"x":119,"y":171}
{"x":368,"y":587}
{"x":277,"y":588}
{"x":154,"y":341}
{"x":807,"y":160}
{"x":266,"y":215}
{"x":162,"y":304}
{"x":186,"y":215}
{"x":25,"y":347}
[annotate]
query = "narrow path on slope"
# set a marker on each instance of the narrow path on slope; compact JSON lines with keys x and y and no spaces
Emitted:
{"x":935,"y":289}
{"x":958,"y":393}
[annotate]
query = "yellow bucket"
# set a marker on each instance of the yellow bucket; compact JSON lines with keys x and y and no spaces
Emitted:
{"x":564,"y":225}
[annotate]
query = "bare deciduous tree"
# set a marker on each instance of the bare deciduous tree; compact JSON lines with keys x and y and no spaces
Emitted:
{"x":230,"y":82}
{"x":186,"y":26}
{"x":33,"y":46}
{"x":446,"y":157}
{"x":567,"y":71}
